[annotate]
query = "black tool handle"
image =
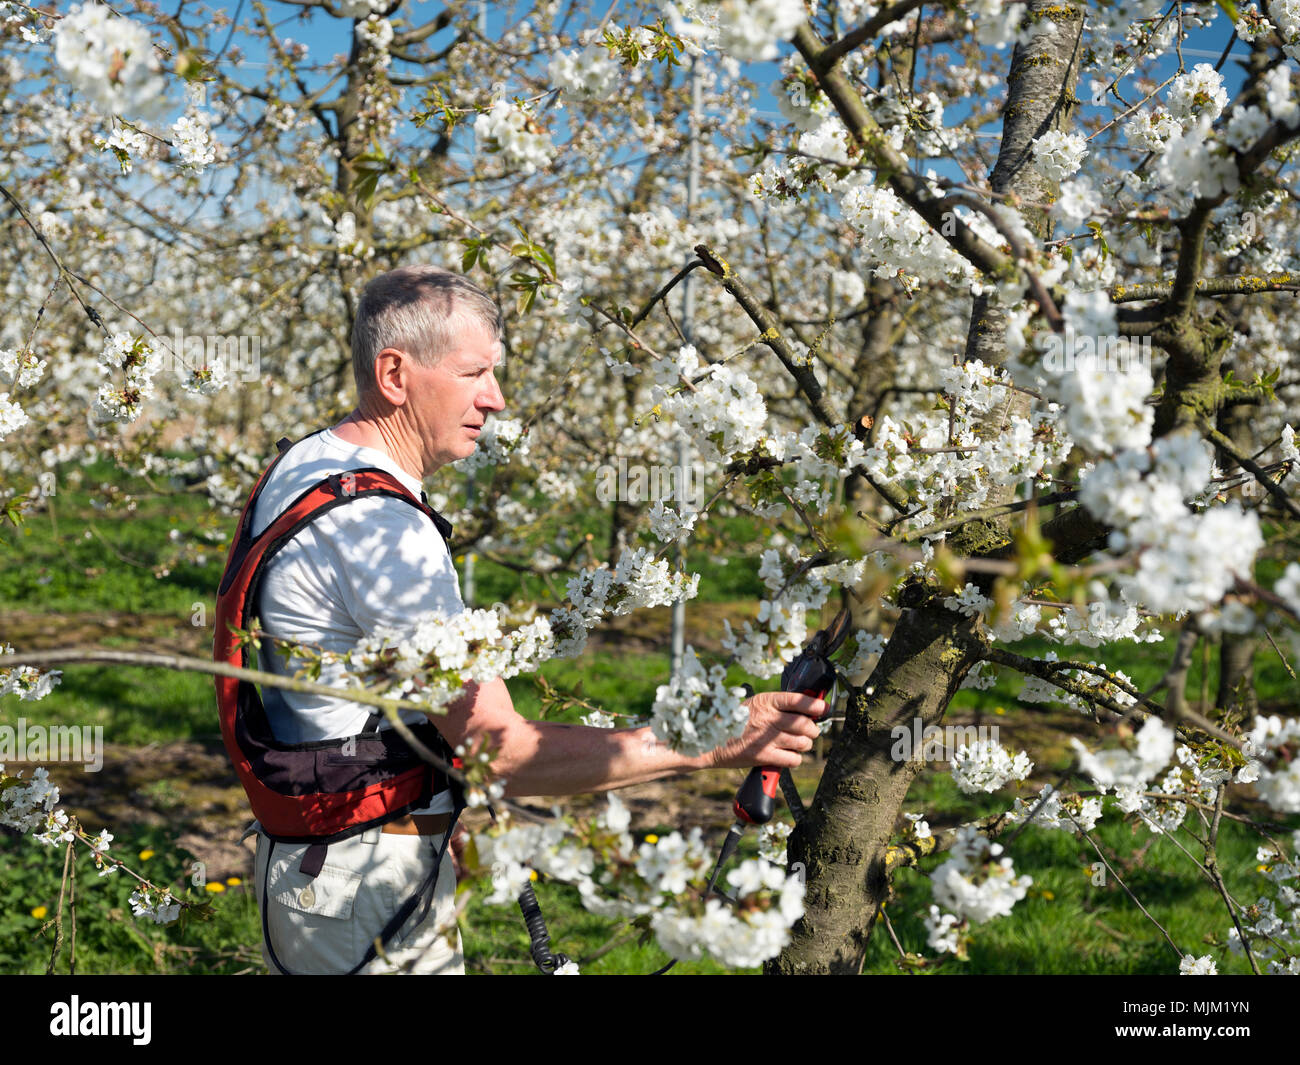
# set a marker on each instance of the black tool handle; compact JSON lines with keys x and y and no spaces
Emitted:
{"x":812,"y":674}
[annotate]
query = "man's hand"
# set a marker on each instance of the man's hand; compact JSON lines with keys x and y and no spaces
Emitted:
{"x":782,"y":725}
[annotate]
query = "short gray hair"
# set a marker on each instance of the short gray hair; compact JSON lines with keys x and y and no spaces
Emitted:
{"x":422,"y":310}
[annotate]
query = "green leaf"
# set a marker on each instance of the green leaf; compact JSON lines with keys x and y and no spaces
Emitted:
{"x":473,"y":252}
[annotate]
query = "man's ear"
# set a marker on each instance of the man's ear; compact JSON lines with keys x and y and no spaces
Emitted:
{"x":392,"y":375}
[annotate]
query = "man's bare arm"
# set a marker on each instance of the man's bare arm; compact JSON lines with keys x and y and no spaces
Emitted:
{"x":549,"y":758}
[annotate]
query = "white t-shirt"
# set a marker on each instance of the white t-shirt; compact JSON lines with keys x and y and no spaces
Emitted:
{"x":374,"y":561}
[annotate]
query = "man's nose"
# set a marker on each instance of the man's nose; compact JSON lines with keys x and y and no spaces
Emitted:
{"x":491,"y":397}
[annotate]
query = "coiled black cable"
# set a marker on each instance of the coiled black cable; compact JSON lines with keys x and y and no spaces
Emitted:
{"x":538,"y":934}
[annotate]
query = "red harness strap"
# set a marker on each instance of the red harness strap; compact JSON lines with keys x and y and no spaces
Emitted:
{"x":329,"y":789}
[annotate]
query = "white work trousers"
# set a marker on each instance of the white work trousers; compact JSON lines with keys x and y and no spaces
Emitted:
{"x":324,"y":924}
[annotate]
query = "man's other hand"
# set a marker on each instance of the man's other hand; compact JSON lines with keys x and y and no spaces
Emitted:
{"x":782,"y":726}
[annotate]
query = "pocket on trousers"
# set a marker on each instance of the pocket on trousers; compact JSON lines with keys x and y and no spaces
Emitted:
{"x":311,"y":920}
{"x":328,"y":894}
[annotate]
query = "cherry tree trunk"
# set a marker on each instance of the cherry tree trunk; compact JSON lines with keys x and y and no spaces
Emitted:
{"x":841,"y":844}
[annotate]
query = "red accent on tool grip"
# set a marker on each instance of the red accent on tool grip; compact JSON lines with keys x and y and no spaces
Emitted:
{"x":756,"y":800}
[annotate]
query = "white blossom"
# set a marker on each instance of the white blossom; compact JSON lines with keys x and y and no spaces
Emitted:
{"x":109,"y":59}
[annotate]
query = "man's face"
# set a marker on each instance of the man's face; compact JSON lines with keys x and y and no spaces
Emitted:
{"x":448,"y":403}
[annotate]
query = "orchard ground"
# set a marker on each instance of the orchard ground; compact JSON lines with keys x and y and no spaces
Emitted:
{"x":72,"y":577}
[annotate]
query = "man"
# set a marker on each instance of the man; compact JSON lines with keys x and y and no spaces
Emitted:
{"x":425,"y":345}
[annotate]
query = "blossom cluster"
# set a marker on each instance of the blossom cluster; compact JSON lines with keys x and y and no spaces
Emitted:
{"x":438,"y":654}
{"x":1273,"y":766}
{"x":194,"y":142}
{"x":779,"y":630}
{"x":28,"y":683}
{"x":1272,"y":924}
{"x":1197,"y":93}
{"x":510,"y":128}
{"x":434,"y":660}
{"x":866,"y":645}
{"x":987,"y":766}
{"x":997,"y":22}
{"x":696,"y":711}
{"x":1187,"y":560}
{"x":1118,"y":767}
{"x":27,"y":807}
{"x":897,"y":240}
{"x":1058,"y":154}
{"x":723,"y":412}
{"x":1159,"y":798}
{"x":765,"y":645}
{"x":109,"y":59}
{"x":1098,"y":379}
{"x":158,"y":906}
{"x":1036,"y":690}
{"x":12,"y":416}
{"x":662,"y":878}
{"x":589,"y":72}
{"x":376,"y":34}
{"x":139,"y":362}
{"x":975,"y":884}
{"x":637,"y":580}
{"x":1286,"y":17}
{"x":969,"y":601}
{"x":20,"y":369}
{"x":772,"y":839}
{"x":964,"y":452}
{"x":500,"y":440}
{"x":669,"y":525}
{"x":1051,"y":809}
{"x":748,"y":30}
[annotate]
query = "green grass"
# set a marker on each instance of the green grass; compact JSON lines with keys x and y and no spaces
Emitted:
{"x":134,"y":705}
{"x":76,"y":558}
{"x":109,"y":939}
{"x":1069,"y":924}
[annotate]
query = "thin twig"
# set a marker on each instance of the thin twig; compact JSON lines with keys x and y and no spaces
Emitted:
{"x":1121,"y":883}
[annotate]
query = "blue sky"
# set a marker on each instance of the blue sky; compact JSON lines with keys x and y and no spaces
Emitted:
{"x":326,"y":36}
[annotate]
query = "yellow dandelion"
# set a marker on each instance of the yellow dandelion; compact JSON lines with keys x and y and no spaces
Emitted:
{"x":532,"y":874}
{"x":234,"y":881}
{"x":215,"y":886}
{"x":1000,"y":711}
{"x":1048,"y":895}
{"x":39,"y":912}
{"x":652,"y":838}
{"x":145,"y":855}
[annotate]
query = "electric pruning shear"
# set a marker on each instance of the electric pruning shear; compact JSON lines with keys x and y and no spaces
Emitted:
{"x":811,"y":673}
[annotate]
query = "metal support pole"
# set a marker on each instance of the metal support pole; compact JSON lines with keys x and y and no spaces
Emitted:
{"x":688,"y":311}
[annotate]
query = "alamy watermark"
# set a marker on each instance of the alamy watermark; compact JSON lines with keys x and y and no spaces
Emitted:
{"x":238,"y":355}
{"x":930,"y":743}
{"x":77,"y":1018}
{"x":1069,"y":351}
{"x":82,"y":744}
{"x":646,"y":484}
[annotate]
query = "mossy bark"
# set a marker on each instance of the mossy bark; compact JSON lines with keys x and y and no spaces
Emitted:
{"x":842,"y":840}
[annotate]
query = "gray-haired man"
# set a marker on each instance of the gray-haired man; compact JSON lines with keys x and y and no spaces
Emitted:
{"x":425,"y":347}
